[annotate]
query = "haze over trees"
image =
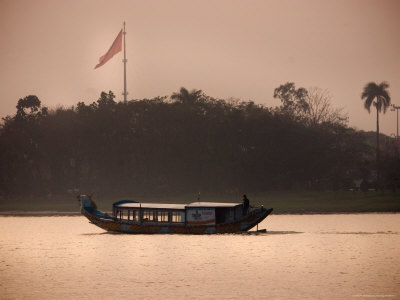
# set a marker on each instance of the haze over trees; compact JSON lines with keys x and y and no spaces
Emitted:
{"x":185,"y":143}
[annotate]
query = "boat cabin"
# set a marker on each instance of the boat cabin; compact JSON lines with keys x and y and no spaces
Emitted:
{"x":193,"y":214}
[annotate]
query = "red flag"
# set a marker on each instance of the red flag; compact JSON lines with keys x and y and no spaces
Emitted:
{"x":114,"y":49}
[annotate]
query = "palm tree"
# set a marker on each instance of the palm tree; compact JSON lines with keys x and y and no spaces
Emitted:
{"x":379,"y":93}
{"x":184,"y":96}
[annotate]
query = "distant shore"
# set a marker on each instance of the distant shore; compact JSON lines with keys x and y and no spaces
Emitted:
{"x":283,"y":202}
{"x":39,"y":213}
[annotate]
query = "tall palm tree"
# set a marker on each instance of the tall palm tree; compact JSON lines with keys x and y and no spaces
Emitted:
{"x":184,"y":96}
{"x":377,"y":95}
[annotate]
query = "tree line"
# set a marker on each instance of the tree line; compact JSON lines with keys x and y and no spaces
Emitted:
{"x":186,"y":143}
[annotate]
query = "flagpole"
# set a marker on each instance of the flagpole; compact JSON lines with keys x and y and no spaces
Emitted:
{"x":124,"y":60}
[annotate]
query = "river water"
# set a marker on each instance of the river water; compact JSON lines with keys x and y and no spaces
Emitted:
{"x":355,"y":256}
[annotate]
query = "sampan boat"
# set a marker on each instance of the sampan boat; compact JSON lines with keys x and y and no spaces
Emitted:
{"x":194,"y":218}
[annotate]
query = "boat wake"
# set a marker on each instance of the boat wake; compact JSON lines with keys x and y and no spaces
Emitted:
{"x":362,"y":232}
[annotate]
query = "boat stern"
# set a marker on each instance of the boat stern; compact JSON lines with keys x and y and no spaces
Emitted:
{"x":255,"y":217}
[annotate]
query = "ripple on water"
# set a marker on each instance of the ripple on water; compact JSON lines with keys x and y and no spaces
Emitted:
{"x":363,"y":232}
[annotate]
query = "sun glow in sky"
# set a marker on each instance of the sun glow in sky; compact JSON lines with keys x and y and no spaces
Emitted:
{"x":227,"y":48}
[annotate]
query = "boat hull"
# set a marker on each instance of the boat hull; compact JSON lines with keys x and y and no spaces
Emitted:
{"x":123,"y":226}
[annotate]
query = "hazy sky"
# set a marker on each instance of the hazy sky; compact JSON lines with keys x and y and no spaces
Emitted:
{"x":227,"y":48}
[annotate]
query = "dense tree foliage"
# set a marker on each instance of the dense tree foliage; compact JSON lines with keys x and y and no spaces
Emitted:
{"x":186,"y":143}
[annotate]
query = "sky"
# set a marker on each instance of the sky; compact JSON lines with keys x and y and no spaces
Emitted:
{"x":227,"y":48}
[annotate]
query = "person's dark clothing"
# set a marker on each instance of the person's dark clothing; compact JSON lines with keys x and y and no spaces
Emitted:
{"x":246,"y":204}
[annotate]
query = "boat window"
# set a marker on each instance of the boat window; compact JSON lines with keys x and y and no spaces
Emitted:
{"x":125,"y":214}
{"x":135,"y":215}
{"x":148,"y":215}
{"x":162,"y":216}
{"x":176,"y":216}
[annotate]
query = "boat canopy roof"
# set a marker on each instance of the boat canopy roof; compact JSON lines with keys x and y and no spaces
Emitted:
{"x":212,"y":204}
{"x":173,"y":206}
{"x":151,"y":205}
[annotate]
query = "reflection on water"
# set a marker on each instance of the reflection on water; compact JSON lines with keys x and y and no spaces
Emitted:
{"x":299,"y":257}
{"x":283,"y":232}
{"x":268,"y":232}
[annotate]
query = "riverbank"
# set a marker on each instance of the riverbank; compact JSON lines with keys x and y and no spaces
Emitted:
{"x":282,"y":202}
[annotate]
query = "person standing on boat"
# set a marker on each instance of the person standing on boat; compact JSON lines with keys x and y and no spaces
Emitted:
{"x":246,"y":204}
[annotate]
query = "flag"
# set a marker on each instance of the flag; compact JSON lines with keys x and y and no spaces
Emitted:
{"x":114,"y":49}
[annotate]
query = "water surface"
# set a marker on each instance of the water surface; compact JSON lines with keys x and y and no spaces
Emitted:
{"x":300,"y":257}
